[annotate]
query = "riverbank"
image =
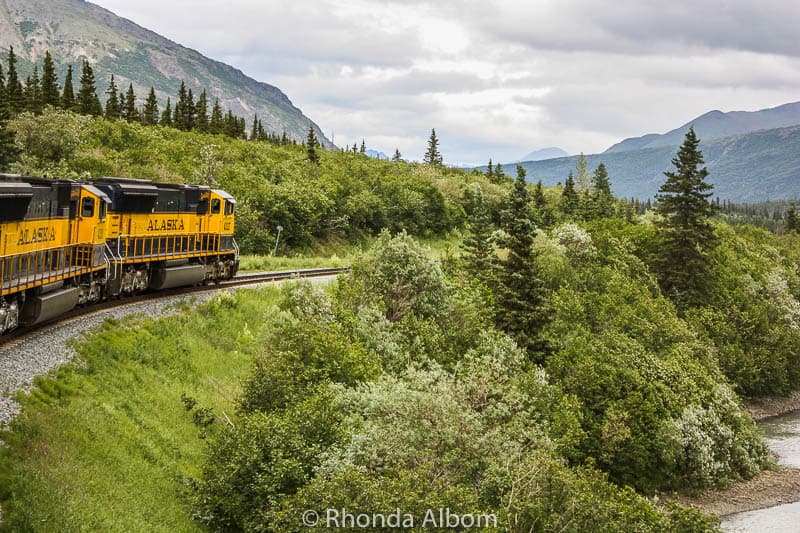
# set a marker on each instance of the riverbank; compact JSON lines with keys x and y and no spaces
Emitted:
{"x":772,"y":406}
{"x":768,"y":489}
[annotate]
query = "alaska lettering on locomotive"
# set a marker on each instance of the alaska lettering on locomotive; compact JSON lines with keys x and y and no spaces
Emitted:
{"x":42,"y":234}
{"x":166,"y":224}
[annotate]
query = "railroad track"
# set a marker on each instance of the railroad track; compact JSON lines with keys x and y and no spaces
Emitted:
{"x":18,"y":336}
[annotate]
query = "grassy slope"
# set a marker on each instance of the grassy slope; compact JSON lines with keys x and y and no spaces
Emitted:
{"x":107,"y":443}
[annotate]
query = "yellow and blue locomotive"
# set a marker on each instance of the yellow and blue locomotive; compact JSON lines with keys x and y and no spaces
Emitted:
{"x":66,"y":243}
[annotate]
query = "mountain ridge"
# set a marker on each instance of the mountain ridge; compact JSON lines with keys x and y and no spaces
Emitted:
{"x":75,"y":29}
{"x":757,"y":166}
{"x":717,"y":124}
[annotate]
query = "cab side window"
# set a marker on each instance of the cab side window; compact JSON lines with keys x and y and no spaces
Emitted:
{"x":87,"y":208}
{"x":215,"y":204}
{"x":103,"y":209}
{"x":228,"y":207}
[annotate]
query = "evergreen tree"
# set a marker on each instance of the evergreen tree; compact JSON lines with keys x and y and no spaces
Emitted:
{"x":602,"y":199}
{"x":522,"y":309}
{"x":14,"y":92}
{"x":254,"y":129}
{"x":130,"y":112}
{"x":490,"y":171}
{"x":499,"y":175}
{"x":201,"y":113}
{"x":397,"y":156}
{"x":363,"y":148}
{"x":684,"y":227}
{"x":215,"y":124}
{"x":311,"y":146}
{"x":432,"y":155}
{"x":478,"y":255}
{"x":284,"y":138}
{"x":50,"y":89}
{"x":180,"y":118}
{"x":543,"y":212}
{"x":88,"y":103}
{"x":231,"y":128}
{"x":166,"y":115}
{"x":150,"y":110}
{"x":355,"y":148}
{"x":792,"y":221}
{"x":112,"y":101}
{"x":33,"y":92}
{"x":570,"y":202}
{"x":189,"y":110}
{"x":68,"y":94}
{"x":8,"y":149}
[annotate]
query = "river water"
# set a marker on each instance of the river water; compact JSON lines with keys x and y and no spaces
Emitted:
{"x":783,"y":436}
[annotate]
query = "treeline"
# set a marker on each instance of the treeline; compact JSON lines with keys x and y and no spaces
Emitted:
{"x":186,"y":113}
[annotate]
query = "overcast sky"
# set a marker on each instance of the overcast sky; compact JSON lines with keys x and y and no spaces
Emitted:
{"x":496,"y":78}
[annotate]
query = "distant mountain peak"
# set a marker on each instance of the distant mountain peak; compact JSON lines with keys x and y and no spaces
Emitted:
{"x":541,"y":154}
{"x":376,"y":154}
{"x":717,"y":124}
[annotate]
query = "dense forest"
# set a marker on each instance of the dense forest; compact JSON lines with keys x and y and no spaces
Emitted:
{"x":579,"y":354}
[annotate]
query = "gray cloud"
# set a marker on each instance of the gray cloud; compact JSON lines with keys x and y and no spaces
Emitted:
{"x":499,"y":78}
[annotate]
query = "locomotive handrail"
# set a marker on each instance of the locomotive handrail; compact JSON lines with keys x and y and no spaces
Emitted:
{"x":132,"y":248}
{"x":25,"y":270}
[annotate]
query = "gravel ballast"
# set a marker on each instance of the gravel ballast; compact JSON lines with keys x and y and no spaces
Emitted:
{"x":45,"y":350}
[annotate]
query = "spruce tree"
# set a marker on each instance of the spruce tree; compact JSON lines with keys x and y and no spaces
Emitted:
{"x":112,"y":101}
{"x":88,"y":103}
{"x":397,"y":156}
{"x":284,"y":138}
{"x":254,"y":129}
{"x":543,"y":212}
{"x":8,"y":149}
{"x":150,"y":109}
{"x":201,"y":113}
{"x":602,"y":199}
{"x":490,"y":171}
{"x":432,"y":156}
{"x":499,"y":175}
{"x":14,"y":92}
{"x":130,"y":112}
{"x":570,"y":202}
{"x":792,"y":222}
{"x":685,"y":226}
{"x":215,"y":124}
{"x":190,"y":111}
{"x":363,"y":148}
{"x":311,"y":146}
{"x":180,"y":118}
{"x":522,"y":307}
{"x":166,"y":115}
{"x":68,"y":94}
{"x":33,"y":92}
{"x":50,"y":89}
{"x":478,"y":256}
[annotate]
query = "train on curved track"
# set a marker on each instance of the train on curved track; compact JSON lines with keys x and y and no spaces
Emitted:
{"x":66,"y":243}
